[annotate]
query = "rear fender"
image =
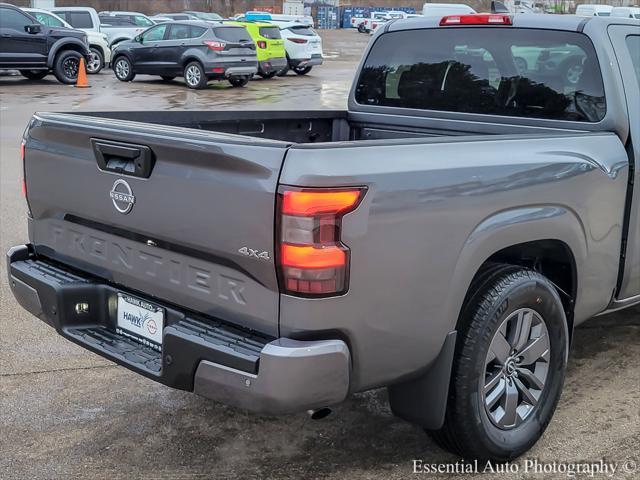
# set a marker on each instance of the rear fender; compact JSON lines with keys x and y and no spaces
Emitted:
{"x":512,"y":227}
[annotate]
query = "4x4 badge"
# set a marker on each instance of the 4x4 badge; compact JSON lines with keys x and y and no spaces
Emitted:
{"x":122,"y":196}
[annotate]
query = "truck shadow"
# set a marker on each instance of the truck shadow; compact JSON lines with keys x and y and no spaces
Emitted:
{"x":360,"y":439}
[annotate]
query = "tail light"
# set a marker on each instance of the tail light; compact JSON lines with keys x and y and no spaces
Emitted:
{"x":313,"y":261}
{"x":24,"y":170}
{"x":374,"y":25}
{"x":297,"y":40}
{"x":476,"y":19}
{"x":215,"y":46}
{"x":261,"y":44}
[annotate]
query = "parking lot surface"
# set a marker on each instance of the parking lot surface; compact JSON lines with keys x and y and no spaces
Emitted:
{"x":67,"y":413}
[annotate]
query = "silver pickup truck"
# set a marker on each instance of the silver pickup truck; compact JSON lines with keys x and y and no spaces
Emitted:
{"x":442,"y":237}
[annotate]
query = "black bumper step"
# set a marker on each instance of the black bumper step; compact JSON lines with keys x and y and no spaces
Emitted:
{"x":51,"y":291}
{"x":119,"y":347}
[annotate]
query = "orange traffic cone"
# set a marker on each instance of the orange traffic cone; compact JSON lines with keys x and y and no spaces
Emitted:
{"x":81,"y":81}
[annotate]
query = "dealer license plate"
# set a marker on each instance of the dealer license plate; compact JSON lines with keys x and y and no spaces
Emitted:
{"x":141,"y":320}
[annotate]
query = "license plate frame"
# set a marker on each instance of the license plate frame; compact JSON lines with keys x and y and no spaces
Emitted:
{"x":140,"y":319}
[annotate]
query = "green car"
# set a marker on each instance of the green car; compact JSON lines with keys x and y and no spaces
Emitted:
{"x":272,"y":57}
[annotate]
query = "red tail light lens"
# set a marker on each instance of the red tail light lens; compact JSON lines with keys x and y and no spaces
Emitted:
{"x":476,"y":19}
{"x":261,"y":44}
{"x":313,"y":261}
{"x":297,"y":40}
{"x":215,"y":46}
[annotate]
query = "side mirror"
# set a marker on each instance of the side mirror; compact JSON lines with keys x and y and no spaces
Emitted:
{"x":138,"y":38}
{"x":35,"y":28}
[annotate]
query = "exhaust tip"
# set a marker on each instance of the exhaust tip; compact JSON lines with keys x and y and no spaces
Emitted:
{"x":319,"y":413}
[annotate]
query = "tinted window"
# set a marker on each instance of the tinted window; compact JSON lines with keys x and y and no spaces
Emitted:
{"x":13,"y":19}
{"x":271,"y":33}
{"x":303,"y":30}
{"x":154,"y":34}
{"x":116,"y":21}
{"x":498,"y":71}
{"x":48,"y":20}
{"x":80,"y":19}
{"x":633,"y":44}
{"x":179,"y":32}
{"x":232,"y":34}
{"x":197,"y":31}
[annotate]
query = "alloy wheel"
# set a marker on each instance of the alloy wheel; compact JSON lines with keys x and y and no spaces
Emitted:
{"x":516,"y":368}
{"x":94,"y":62}
{"x":122,"y":68}
{"x":192,"y":75}
{"x":70,"y":67}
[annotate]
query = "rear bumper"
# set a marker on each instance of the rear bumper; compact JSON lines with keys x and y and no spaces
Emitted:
{"x":231,"y":69}
{"x":306,"y":62}
{"x":272,"y":65}
{"x":207,"y":356}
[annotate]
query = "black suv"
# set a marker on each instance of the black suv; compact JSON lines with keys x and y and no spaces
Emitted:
{"x":35,"y":49}
{"x":199,"y":51}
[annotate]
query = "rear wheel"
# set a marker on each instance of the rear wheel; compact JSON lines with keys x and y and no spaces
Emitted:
{"x":509,"y":367}
{"x":302,"y":70}
{"x":240,"y":81}
{"x":123,"y":69}
{"x":34,"y":74}
{"x":167,"y":78}
{"x":66,"y":66}
{"x":95,"y":61}
{"x":194,"y":76}
{"x":267,"y":76}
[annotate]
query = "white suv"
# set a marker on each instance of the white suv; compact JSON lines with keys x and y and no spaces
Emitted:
{"x":303,"y":46}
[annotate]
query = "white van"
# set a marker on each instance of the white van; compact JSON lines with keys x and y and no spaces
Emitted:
{"x":442,"y":9}
{"x":626,"y":12}
{"x":594,"y":10}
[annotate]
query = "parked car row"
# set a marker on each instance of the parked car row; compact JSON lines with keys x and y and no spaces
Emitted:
{"x":199,"y":46}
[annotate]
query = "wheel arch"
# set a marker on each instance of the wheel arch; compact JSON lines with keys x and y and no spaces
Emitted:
{"x":188,"y":57}
{"x":68,"y":43}
{"x":550,"y":239}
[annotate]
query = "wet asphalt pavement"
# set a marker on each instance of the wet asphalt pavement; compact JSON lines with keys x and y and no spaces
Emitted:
{"x":67,"y":413}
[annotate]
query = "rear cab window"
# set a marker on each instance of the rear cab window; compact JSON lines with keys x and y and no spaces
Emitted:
{"x":497,"y":71}
{"x":79,"y":19}
{"x":272,"y":33}
{"x":633,"y":44}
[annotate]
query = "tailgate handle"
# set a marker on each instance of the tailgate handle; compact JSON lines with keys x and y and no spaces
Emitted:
{"x":123,"y":158}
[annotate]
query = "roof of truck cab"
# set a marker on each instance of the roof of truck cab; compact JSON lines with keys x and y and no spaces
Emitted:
{"x":523,"y":20}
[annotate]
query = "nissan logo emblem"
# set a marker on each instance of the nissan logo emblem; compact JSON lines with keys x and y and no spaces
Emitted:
{"x":122,"y":196}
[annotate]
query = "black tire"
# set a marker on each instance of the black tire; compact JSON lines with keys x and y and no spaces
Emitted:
{"x":123,"y":69}
{"x":302,"y":70}
{"x":361,"y":28}
{"x":65,"y":66}
{"x":95,"y":62}
{"x":34,"y":74}
{"x":195,"y":76}
{"x":167,"y":78}
{"x":267,"y":76}
{"x":240,"y":81}
{"x":498,"y":297}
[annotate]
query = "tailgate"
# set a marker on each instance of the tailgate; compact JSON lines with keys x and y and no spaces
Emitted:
{"x":182,"y":215}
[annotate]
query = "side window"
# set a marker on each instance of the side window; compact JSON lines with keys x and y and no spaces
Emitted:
{"x":141,"y":21}
{"x":633,"y":44}
{"x":197,"y":31}
{"x":80,"y":20}
{"x":48,"y":20}
{"x":179,"y":32}
{"x":13,"y":19}
{"x":154,"y":34}
{"x":64,"y":16}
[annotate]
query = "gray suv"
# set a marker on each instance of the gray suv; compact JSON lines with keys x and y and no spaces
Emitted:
{"x":197,"y":50}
